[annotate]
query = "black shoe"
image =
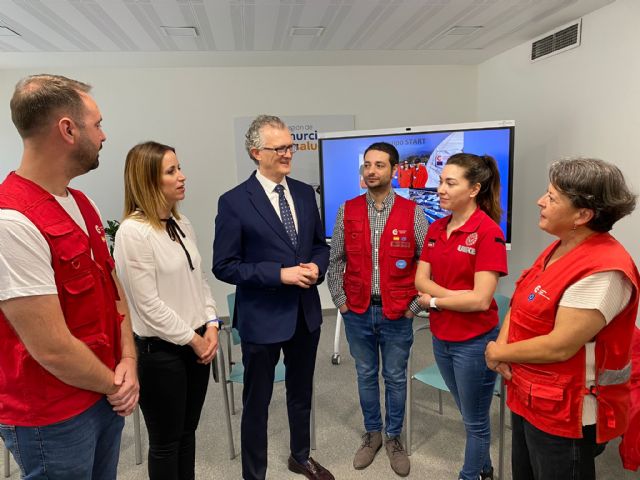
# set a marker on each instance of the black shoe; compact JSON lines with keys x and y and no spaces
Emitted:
{"x":487,"y":475}
{"x":310,"y":469}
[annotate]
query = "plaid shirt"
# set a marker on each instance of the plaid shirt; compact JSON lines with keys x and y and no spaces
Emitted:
{"x":377,"y":221}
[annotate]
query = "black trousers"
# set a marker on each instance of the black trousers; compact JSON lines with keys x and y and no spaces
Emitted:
{"x":173,"y":387}
{"x":259,"y":362}
{"x":537,"y":455}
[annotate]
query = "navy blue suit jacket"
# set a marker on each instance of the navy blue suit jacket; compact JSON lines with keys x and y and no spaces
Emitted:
{"x":249,"y":249}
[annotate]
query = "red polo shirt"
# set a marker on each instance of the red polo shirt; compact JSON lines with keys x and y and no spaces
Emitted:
{"x":476,"y":246}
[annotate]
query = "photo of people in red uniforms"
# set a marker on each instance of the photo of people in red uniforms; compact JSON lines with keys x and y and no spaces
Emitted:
{"x":420,"y":175}
{"x":405,"y":175}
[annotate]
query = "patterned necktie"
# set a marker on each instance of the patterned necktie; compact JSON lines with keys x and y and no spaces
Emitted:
{"x":285,"y":215}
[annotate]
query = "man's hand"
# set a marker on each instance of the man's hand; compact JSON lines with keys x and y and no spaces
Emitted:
{"x":343,"y":309}
{"x":300,"y":276}
{"x":125,"y":380}
{"x":409,"y":313}
{"x":315,"y":271}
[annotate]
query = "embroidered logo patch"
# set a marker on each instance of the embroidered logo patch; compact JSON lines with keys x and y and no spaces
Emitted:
{"x":472,"y":238}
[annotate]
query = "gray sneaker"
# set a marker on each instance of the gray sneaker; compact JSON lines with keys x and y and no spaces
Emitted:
{"x":397,"y":456}
{"x":371,"y":443}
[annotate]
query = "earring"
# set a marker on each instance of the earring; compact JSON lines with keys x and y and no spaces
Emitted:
{"x":574,"y":227}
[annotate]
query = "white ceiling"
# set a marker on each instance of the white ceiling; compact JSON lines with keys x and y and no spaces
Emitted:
{"x":256,"y":32}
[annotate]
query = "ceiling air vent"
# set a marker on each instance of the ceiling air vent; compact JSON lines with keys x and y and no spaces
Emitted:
{"x":561,"y":39}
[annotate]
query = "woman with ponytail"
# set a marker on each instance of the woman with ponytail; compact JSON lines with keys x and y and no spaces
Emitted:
{"x":463,"y":258}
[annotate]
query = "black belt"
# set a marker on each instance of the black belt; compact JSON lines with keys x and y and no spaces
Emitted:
{"x":153,"y":344}
{"x":376,"y":300}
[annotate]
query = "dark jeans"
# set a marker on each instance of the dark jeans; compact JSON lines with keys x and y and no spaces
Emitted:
{"x":537,"y":455}
{"x":84,"y":447}
{"x":173,"y":387}
{"x":259,"y":362}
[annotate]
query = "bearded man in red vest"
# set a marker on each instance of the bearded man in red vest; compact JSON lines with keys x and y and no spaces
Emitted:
{"x":66,"y":347}
{"x":377,"y":241}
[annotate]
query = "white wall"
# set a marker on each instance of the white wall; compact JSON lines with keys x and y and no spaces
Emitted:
{"x":585,"y":101}
{"x":193,"y":110}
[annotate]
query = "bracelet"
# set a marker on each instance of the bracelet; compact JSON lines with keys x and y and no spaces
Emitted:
{"x":214,"y":321}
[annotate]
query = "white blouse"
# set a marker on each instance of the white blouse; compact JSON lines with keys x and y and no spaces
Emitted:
{"x":166,"y":298}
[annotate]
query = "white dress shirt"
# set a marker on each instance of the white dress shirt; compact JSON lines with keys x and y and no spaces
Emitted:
{"x":269,"y":188}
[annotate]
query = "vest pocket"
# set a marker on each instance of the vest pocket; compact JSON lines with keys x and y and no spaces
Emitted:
{"x":79,"y":310}
{"x":401,"y":265}
{"x":545,"y":393}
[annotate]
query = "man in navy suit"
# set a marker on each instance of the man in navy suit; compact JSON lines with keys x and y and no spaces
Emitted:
{"x":269,"y":242}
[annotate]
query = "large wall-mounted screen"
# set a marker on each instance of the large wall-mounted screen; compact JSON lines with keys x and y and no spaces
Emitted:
{"x":423,"y":153}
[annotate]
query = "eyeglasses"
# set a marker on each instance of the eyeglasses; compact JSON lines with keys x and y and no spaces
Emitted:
{"x":293,"y":148}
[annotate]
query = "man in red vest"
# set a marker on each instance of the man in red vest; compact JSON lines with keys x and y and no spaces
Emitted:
{"x":377,"y":241}
{"x":66,"y":347}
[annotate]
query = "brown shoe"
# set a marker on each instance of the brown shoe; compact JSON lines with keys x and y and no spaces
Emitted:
{"x":310,"y":469}
{"x":371,"y":443}
{"x":397,"y":456}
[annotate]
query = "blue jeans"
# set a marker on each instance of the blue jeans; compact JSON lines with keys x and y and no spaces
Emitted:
{"x":84,"y":447}
{"x":370,"y":334}
{"x":471,"y":383}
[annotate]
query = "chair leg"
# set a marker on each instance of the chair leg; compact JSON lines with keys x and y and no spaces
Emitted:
{"x":7,"y":459}
{"x":222,"y":375}
{"x":313,"y":418}
{"x":335,"y":358}
{"x":502,"y":430}
{"x":409,"y":408}
{"x":440,"y":401}
{"x":137,"y":436}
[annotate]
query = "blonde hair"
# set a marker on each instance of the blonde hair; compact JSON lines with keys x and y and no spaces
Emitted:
{"x":142,"y":175}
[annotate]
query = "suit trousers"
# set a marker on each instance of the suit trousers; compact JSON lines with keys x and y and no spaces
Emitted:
{"x":259,"y":362}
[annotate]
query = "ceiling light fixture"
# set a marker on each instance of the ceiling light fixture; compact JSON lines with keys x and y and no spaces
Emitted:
{"x":7,"y":32}
{"x":463,"y":30}
{"x":306,"y":31}
{"x":180,"y":31}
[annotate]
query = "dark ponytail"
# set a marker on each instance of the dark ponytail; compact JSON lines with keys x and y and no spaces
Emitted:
{"x":482,"y":169}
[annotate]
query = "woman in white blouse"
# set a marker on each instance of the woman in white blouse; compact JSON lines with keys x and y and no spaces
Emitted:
{"x":172,"y":311}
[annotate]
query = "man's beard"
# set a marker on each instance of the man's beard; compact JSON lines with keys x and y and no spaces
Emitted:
{"x":86,"y":157}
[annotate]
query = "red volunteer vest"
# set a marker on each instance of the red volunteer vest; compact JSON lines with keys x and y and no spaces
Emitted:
{"x":630,"y":446}
{"x":550,"y":396}
{"x":396,"y":257}
{"x":29,"y":395}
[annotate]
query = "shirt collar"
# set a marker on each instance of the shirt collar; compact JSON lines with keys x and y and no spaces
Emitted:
{"x":385,"y":203}
{"x":268,"y":184}
{"x":472,"y":223}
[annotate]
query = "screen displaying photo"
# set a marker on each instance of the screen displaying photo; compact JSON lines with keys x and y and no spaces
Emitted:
{"x":424,"y":151}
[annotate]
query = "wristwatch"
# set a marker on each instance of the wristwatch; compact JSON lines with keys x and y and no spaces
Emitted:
{"x":432,"y":303}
